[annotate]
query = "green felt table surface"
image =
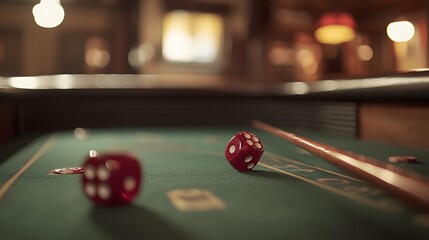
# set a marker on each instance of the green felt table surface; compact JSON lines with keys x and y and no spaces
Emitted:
{"x":290,"y":194}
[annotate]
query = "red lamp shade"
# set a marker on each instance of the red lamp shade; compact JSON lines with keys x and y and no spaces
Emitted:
{"x":335,"y":28}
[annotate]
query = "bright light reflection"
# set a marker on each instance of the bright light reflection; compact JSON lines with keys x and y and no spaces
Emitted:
{"x":48,"y":13}
{"x":24,"y":82}
{"x":64,"y":82}
{"x":298,"y":88}
{"x":420,"y":69}
{"x":401,"y":31}
{"x":327,"y":85}
{"x":93,"y":153}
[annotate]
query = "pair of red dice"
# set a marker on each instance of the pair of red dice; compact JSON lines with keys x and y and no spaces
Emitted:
{"x":113,"y":179}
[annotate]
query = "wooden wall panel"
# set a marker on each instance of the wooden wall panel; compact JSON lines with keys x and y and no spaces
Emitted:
{"x":403,"y":124}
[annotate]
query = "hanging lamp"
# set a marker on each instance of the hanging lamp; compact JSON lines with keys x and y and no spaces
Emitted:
{"x":335,"y":28}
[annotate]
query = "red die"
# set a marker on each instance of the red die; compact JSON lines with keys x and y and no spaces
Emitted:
{"x":244,"y":151}
{"x":110,"y":179}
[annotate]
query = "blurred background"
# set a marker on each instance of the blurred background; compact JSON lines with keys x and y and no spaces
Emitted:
{"x":250,"y":40}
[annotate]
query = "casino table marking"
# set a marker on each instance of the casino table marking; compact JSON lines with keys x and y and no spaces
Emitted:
{"x":337,"y":183}
{"x":42,"y":150}
{"x":195,"y":199}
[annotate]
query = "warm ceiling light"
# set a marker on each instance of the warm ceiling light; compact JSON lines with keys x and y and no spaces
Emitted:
{"x":401,"y":31}
{"x":335,"y":28}
{"x":48,"y":13}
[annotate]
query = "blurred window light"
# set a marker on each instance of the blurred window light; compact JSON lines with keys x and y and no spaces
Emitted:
{"x":192,"y":37}
{"x":364,"y":52}
{"x":400,"y":31}
{"x":48,"y":13}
